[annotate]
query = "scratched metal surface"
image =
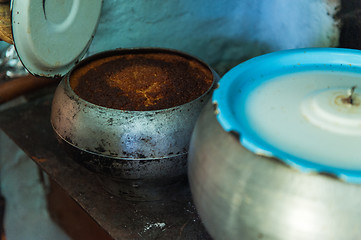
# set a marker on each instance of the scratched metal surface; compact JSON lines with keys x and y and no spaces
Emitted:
{"x":173,"y":218}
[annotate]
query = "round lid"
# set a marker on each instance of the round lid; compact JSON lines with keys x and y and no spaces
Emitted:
{"x":51,"y":36}
{"x":301,"y":106}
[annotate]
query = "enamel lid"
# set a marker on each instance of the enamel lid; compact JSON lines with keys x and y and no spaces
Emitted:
{"x":301,"y":106}
{"x":51,"y":36}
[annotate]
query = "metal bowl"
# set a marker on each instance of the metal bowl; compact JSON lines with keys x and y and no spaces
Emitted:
{"x":139,"y":155}
{"x":240,"y":194}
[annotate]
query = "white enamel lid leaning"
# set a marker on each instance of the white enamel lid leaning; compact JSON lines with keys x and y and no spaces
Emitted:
{"x":51,"y":36}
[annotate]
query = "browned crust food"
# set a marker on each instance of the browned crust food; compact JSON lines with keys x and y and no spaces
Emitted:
{"x":141,"y":82}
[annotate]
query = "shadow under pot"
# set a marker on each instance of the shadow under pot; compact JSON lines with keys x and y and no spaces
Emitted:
{"x":128,"y":115}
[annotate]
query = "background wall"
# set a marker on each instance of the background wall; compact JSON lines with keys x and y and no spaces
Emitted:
{"x":223,"y":33}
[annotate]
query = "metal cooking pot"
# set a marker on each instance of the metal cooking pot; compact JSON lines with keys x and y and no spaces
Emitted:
{"x":241,"y":194}
{"x":139,"y":155}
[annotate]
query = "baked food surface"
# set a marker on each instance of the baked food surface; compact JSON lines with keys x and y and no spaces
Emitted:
{"x":141,"y":81}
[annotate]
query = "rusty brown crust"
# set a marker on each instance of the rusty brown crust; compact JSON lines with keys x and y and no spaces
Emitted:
{"x":146,"y":81}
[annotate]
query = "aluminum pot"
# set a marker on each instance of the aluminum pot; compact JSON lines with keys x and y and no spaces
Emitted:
{"x":139,"y":155}
{"x":240,"y":194}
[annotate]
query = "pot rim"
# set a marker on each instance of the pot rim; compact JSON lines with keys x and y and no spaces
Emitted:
{"x":124,"y":51}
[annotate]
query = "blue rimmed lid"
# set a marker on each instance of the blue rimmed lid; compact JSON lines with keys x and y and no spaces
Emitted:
{"x":236,"y":86}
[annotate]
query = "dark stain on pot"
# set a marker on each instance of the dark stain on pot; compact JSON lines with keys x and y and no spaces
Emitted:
{"x":278,"y":161}
{"x":329,"y":175}
{"x":141,"y":81}
{"x":100,"y":149}
{"x":74,"y":115}
{"x":68,"y":139}
{"x":113,"y":154}
{"x":110,"y":121}
{"x":235,"y":134}
{"x":140,"y":155}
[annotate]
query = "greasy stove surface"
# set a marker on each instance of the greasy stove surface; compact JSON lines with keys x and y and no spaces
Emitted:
{"x":174,"y":218}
